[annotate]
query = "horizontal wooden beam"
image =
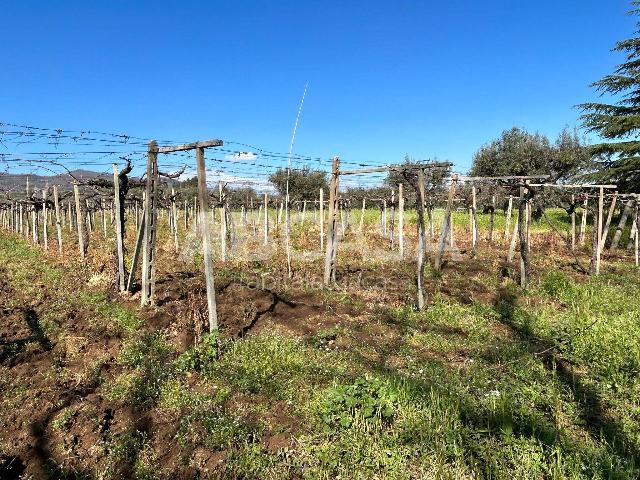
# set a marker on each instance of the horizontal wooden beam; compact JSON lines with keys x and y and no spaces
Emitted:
{"x":555,"y":185}
{"x":190,"y":146}
{"x":387,"y":168}
{"x":508,"y":177}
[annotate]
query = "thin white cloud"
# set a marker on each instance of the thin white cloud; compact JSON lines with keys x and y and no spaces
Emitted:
{"x":242,"y":157}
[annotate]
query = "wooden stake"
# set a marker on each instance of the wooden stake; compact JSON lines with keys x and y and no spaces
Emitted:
{"x":636,"y":242}
{"x":150,"y":217}
{"x":447,"y":226}
{"x":45,"y":230}
{"x":474,"y":227}
{"x":136,"y":252}
{"x":492,"y":213}
{"x":332,"y":242}
{"x":523,"y":230}
{"x":599,"y":237}
{"x":605,"y":231}
{"x":266,"y":220}
{"x":507,"y":223}
{"x":421,"y":241}
{"x":573,"y":223}
{"x":321,"y":219}
{"x":400,"y":220}
{"x":79,"y":222}
{"x":207,"y":249}
{"x":118,"y":220}
{"x":583,"y":223}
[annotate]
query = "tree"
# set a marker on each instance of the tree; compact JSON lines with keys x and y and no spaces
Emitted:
{"x":304,"y":183}
{"x":619,"y":159}
{"x":241,"y":196}
{"x":518,"y":152}
{"x":434,"y":177}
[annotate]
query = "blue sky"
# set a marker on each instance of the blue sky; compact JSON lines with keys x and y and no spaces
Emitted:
{"x":431,"y":79}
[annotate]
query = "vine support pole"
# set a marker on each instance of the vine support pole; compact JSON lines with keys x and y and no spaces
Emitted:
{"x":446,"y":225}
{"x":79,"y":222}
{"x":573,"y":223}
{"x":265,"y":240}
{"x":421,"y":241}
{"x":118,"y":220}
{"x":45,"y":230}
{"x":321,"y":219}
{"x":332,"y":239}
{"x":150,"y":218}
{"x":207,"y":247}
{"x":400,"y":220}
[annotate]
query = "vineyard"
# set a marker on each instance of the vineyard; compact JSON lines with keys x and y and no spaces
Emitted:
{"x":436,"y":326}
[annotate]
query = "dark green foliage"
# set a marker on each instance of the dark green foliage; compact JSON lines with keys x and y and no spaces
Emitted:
{"x":518,"y":152}
{"x":199,"y":357}
{"x":323,"y":337}
{"x":434,"y":178}
{"x":619,"y":160}
{"x":367,"y":398}
{"x":304,"y":183}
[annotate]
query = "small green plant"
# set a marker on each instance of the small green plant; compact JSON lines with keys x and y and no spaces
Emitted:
{"x":367,"y":398}
{"x":65,"y":419}
{"x":199,"y":357}
{"x":324,"y":337}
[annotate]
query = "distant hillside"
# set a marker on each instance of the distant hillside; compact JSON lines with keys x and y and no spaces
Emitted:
{"x":18,"y":182}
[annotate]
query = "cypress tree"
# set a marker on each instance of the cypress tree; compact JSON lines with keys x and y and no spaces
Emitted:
{"x":618,"y":156}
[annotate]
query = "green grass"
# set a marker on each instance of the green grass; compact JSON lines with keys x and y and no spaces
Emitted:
{"x":542,"y":383}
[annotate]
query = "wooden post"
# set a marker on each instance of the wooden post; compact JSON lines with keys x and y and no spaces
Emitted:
{"x":583,"y":223}
{"x":223,"y":232}
{"x":492,"y":214}
{"x":507,"y":224}
{"x":150,"y":219}
{"x":393,"y":220}
{"x":118,"y":214}
{"x":104,"y":218}
{"x":174,"y":213}
{"x":599,"y":237}
{"x":605,"y":231}
{"x":79,"y":222}
{"x":186,"y":218}
{"x":523,"y":230}
{"x":636,"y":241}
{"x":321,"y":219}
{"x":304,"y":210}
{"x":69,"y":210}
{"x":34,"y":224}
{"x":384,"y":217}
{"x":207,"y":249}
{"x":364,"y":206}
{"x":400,"y":220}
{"x":45,"y":230}
{"x":332,"y":243}
{"x":136,"y":252}
{"x":432,"y":234}
{"x":474,"y":227}
{"x":514,"y":239}
{"x":573,"y":223}
{"x":421,"y":241}
{"x":446,"y":224}
{"x":265,"y":240}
